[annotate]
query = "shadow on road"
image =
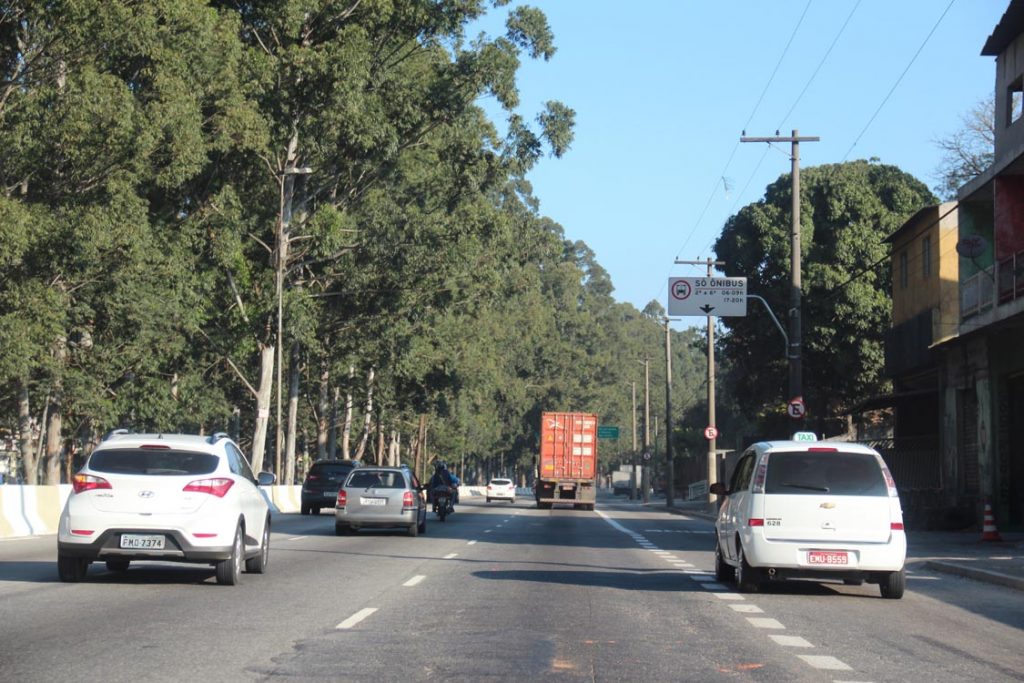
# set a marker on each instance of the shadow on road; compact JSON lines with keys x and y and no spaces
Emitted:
{"x":652,"y":580}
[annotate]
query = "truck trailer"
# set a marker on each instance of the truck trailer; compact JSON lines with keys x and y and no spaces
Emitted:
{"x":567,"y":467}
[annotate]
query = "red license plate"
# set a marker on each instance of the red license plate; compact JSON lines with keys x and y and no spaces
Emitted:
{"x":828,"y":557}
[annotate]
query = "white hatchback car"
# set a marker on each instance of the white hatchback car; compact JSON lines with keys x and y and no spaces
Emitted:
{"x":166,"y":497}
{"x":501,"y":489}
{"x":795,"y":509}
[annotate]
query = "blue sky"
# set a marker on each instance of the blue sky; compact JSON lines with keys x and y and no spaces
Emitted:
{"x":663,"y":88}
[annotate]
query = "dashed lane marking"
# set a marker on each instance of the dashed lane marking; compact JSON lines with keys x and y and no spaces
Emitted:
{"x":297,"y":538}
{"x":450,"y":556}
{"x":825,"y":662}
{"x":356,"y":618}
{"x":471,"y":543}
{"x":765,"y":622}
{"x":729,"y":596}
{"x":414,"y":580}
{"x":790,"y":641}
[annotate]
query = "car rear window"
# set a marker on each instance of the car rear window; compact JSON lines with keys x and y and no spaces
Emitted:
{"x":501,"y":482}
{"x":837,"y":474}
{"x":152,"y":462}
{"x":331,"y":470}
{"x":378,"y":479}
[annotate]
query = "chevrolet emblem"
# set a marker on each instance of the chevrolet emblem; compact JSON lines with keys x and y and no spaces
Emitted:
{"x":827,"y":506}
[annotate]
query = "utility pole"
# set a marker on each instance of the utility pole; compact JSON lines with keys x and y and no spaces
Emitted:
{"x":669,"y":465}
{"x":633,"y":473}
{"x":712,"y":442}
{"x":795,"y":341}
{"x":645,"y":468}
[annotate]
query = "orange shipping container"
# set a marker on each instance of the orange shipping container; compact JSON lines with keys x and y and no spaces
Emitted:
{"x":568,"y":446}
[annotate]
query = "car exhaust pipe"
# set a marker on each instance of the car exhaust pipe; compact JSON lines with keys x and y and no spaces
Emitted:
{"x":771,"y":572}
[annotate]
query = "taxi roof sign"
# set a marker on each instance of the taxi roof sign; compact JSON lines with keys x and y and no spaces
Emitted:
{"x":805,"y":436}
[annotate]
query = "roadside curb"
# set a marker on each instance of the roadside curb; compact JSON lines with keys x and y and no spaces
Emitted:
{"x":984,"y":575}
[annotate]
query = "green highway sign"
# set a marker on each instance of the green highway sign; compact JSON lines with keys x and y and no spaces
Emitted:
{"x":607,"y":432}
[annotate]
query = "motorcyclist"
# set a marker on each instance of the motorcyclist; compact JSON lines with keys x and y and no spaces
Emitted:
{"x":442,"y":478}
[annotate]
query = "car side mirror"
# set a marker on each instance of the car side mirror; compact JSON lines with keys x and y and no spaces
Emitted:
{"x":266,"y":478}
{"x":718,"y":488}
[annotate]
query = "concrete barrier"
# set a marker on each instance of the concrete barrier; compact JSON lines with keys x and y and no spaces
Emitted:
{"x":35,"y":510}
{"x":31,"y":510}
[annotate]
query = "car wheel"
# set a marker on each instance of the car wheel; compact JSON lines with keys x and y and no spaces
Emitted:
{"x":304,"y":509}
{"x":413,"y":530}
{"x":892,"y":584}
{"x":258,"y":564}
{"x":423,"y":524}
{"x":748,"y":579}
{"x":230,"y":570}
{"x":314,"y":510}
{"x":340,"y":530}
{"x":723,"y":571}
{"x":118,"y":565}
{"x":71,"y":569}
{"x":488,"y":500}
{"x":513,"y":501}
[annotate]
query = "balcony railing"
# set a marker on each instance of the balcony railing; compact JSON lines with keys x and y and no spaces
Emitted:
{"x":1010,"y":278}
{"x":976,"y":293}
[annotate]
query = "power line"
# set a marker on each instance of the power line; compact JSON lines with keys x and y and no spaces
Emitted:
{"x":820,"y":64}
{"x":732,"y":154}
{"x":899,"y":80}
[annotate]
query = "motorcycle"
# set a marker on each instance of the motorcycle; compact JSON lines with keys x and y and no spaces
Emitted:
{"x":443,"y":505}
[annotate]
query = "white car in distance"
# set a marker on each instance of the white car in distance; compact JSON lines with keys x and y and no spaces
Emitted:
{"x":501,"y":489}
{"x":166,"y":497}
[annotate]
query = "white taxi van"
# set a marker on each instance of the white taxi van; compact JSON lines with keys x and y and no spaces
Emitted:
{"x":808,"y":509}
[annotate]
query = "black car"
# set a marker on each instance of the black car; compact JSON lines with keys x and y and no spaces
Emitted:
{"x":320,"y":489}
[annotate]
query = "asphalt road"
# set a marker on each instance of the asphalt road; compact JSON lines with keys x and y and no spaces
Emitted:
{"x":498,"y":592}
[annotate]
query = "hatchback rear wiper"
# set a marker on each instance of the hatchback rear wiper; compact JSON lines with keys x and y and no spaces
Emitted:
{"x":823,"y":489}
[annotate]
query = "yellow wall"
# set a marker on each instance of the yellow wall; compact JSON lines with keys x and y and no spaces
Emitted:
{"x":939,"y":290}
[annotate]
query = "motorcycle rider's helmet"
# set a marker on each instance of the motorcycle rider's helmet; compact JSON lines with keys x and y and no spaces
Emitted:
{"x":440,"y":466}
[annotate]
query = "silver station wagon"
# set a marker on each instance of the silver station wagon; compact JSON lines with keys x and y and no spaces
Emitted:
{"x":380,"y":498}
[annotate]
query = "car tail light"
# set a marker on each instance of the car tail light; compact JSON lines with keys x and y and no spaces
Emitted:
{"x":896,"y":526}
{"x":87,"y":482}
{"x":408,"y":500}
{"x":157,"y":446}
{"x":762,"y":471}
{"x":342,"y":499}
{"x":822,"y":449}
{"x":215,"y":487}
{"x":82,"y":532}
{"x":204,"y":535}
{"x":890,"y":483}
{"x":755,"y":521}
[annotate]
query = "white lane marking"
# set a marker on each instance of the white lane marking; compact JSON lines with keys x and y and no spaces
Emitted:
{"x":713,"y":586}
{"x":747,"y":609}
{"x":414,"y":580}
{"x":499,"y":526}
{"x":701,"y":577}
{"x":791,"y":641}
{"x":450,"y":556}
{"x":764,"y":622}
{"x":356,"y":618}
{"x":297,"y":538}
{"x":664,"y":552}
{"x":729,"y":596}
{"x":471,"y":543}
{"x":825,"y":662}
{"x":487,"y":531}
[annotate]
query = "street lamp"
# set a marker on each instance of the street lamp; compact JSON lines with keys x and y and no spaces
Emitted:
{"x":283,"y":241}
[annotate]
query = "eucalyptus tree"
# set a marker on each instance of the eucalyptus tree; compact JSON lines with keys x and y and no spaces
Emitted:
{"x":350,"y":90}
{"x":108,"y":108}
